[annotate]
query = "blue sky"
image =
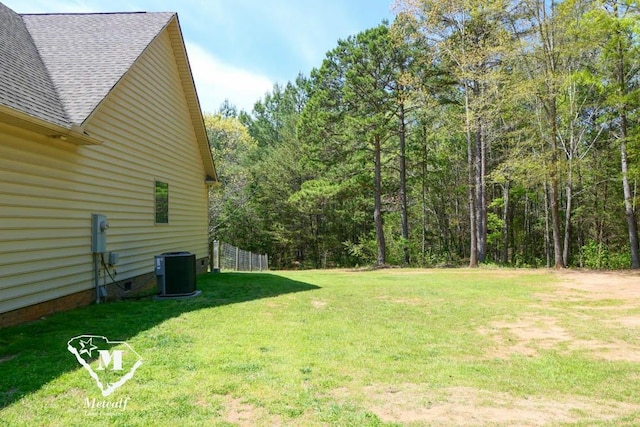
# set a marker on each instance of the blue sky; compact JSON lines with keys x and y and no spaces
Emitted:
{"x":239,"y":49}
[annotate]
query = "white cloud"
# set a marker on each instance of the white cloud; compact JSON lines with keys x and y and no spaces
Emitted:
{"x":301,"y":30}
{"x":216,"y":81}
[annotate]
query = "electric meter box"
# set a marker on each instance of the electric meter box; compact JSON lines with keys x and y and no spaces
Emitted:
{"x":99,"y":227}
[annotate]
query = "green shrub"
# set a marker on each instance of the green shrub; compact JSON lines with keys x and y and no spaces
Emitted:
{"x":597,"y":256}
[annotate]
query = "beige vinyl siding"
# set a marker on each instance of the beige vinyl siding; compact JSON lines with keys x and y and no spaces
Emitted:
{"x":44,"y":246}
{"x":50,"y":188}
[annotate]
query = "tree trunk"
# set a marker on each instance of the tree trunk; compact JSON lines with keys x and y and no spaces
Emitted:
{"x":553,"y":188}
{"x":473,"y":232}
{"x":567,"y":217}
{"x":403,"y":189}
{"x":547,"y":239}
{"x":424,"y":198}
{"x":555,"y":221}
{"x":547,"y":33}
{"x":505,"y":223}
{"x":480,"y":181}
{"x":632,"y":225}
{"x":377,"y":210}
{"x":481,"y":190}
{"x":567,"y":226}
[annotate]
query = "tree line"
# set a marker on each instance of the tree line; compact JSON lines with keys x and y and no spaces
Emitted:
{"x":465,"y":132}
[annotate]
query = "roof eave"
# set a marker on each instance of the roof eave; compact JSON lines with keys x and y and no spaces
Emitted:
{"x":74,"y":134}
{"x":189,"y":88}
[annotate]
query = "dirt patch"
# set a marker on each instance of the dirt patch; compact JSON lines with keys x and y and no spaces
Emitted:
{"x":273,"y":304}
{"x":237,"y":411}
{"x":599,"y":291}
{"x":405,"y":301}
{"x":590,"y":285}
{"x":529,"y":337}
{"x":541,"y":329}
{"x":463,"y":406}
{"x":318,"y":304}
{"x":525,"y":336}
{"x":614,"y":350}
{"x":628,"y":321}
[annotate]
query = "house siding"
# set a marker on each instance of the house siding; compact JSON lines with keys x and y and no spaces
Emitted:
{"x":50,"y":188}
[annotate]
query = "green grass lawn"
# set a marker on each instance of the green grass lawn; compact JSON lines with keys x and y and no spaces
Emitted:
{"x":388,"y":347}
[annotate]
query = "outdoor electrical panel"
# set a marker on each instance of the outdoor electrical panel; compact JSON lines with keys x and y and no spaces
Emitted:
{"x":99,"y":227}
{"x":114,"y":257}
{"x":159,"y":259}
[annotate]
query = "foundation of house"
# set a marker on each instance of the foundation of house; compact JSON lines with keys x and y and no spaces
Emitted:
{"x":123,"y":289}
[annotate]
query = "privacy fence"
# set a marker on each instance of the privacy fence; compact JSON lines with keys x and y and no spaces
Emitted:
{"x":225,"y":256}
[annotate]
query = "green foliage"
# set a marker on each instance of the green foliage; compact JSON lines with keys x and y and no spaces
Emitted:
{"x":314,"y":194}
{"x":521,"y":96}
{"x":161,"y":202}
{"x":232,"y":147}
{"x":597,"y":256}
{"x":494,"y":228}
{"x":363,"y":251}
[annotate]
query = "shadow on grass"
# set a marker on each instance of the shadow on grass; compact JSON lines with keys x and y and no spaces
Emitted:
{"x":32,"y":355}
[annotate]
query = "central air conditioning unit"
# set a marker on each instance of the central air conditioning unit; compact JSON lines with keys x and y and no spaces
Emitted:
{"x":176,"y":275}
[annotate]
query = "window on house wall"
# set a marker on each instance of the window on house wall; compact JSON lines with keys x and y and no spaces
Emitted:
{"x":162,"y":202}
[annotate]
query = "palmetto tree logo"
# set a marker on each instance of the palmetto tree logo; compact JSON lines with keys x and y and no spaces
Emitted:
{"x":110,"y":363}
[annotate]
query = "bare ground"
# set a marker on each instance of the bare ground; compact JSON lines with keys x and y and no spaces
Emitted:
{"x":239,"y":412}
{"x":420,"y":404}
{"x":617,"y":285}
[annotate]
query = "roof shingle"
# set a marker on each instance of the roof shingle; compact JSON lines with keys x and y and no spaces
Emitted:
{"x":25,"y":84}
{"x":87,"y":54}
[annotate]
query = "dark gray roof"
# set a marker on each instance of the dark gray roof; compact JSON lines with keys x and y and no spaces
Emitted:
{"x":64,"y":65}
{"x":25,"y":84}
{"x":86,"y":54}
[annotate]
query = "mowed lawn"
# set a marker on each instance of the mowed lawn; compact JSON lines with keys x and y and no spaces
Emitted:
{"x":386,"y":347}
